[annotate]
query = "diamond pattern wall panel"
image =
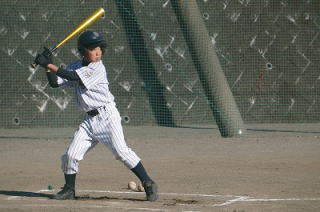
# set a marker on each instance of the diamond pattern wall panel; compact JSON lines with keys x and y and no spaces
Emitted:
{"x":268,"y":49}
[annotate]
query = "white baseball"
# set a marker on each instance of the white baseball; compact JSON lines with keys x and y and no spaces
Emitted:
{"x":140,"y":188}
{"x":132,"y":185}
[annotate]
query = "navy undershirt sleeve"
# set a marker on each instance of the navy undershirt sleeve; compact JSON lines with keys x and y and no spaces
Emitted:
{"x":52,"y":79}
{"x":69,"y":75}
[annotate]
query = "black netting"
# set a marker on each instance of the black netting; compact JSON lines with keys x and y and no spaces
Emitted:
{"x":269,"y":52}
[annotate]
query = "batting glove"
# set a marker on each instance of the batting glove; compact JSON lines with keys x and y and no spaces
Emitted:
{"x":44,"y":58}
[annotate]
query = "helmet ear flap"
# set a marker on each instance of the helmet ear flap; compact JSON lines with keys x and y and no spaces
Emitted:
{"x":82,"y":51}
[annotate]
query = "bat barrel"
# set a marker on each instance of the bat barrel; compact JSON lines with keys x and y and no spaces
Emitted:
{"x":85,"y":24}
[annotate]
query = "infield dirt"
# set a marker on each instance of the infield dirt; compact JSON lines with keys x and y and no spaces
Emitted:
{"x":271,"y":168}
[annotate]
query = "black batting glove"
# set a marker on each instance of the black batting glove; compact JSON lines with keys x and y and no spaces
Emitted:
{"x":43,"y":61}
{"x":44,"y":58}
{"x":46,"y":52}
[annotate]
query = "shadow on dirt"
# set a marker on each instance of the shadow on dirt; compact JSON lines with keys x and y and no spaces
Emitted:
{"x":25,"y":194}
{"x":87,"y":197}
{"x":50,"y":196}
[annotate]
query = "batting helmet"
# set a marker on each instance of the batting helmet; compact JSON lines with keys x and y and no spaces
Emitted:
{"x":90,"y":39}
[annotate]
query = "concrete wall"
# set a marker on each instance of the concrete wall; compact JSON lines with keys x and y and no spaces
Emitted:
{"x":269,"y":51}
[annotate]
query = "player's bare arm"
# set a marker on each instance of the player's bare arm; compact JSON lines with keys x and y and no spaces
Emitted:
{"x":52,"y":68}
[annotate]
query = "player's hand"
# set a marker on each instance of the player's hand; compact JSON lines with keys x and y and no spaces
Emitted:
{"x":46,"y":52}
{"x":44,"y":58}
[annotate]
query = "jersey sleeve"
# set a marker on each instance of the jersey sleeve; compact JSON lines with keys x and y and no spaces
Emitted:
{"x":92,"y":74}
{"x":63,"y":83}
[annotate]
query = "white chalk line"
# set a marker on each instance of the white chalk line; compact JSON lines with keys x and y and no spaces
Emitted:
{"x":142,"y":193}
{"x":235,"y":199}
{"x":285,"y":199}
{"x":232,"y":201}
{"x":89,"y":207}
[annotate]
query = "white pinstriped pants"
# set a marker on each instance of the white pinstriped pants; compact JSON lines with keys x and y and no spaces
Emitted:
{"x":105,"y":128}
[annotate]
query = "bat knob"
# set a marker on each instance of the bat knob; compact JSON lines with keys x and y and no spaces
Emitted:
{"x":33,"y":65}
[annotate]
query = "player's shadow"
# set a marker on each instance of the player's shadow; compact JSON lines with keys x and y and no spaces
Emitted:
{"x":50,"y":196}
{"x":25,"y":194}
{"x":87,"y":197}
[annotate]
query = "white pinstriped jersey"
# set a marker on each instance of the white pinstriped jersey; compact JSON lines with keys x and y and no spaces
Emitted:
{"x":94,"y":92}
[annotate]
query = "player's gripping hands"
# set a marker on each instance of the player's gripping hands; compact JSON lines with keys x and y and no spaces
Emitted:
{"x":44,"y":58}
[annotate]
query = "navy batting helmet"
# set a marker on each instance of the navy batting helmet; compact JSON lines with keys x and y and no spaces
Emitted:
{"x":90,"y":39}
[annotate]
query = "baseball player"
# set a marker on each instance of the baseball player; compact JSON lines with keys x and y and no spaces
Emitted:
{"x":102,"y":122}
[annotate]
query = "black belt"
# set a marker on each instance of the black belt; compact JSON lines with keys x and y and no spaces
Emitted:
{"x":94,"y":112}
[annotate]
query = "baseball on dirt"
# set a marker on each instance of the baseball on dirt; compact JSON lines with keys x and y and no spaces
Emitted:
{"x":132,"y":185}
{"x":140,"y":188}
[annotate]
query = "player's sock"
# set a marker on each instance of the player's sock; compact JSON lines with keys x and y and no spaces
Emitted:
{"x":141,"y":173}
{"x":70,"y":180}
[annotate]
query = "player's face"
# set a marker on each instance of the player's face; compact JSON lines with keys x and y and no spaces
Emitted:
{"x":93,"y":54}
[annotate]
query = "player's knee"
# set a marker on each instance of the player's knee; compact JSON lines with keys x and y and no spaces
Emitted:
{"x":128,"y":157}
{"x":121,"y":154}
{"x":67,"y":158}
{"x":69,"y":164}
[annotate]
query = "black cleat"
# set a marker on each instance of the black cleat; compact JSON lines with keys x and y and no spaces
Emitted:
{"x":151,"y":190}
{"x":66,"y":193}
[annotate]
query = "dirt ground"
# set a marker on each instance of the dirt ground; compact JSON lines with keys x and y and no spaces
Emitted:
{"x":271,"y":168}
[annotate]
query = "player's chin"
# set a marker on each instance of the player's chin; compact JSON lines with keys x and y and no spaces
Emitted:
{"x":96,"y":59}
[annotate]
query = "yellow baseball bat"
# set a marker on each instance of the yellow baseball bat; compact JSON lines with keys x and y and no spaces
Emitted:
{"x":85,"y":24}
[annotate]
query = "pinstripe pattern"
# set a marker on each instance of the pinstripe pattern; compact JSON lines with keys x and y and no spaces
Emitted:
{"x":105,"y":127}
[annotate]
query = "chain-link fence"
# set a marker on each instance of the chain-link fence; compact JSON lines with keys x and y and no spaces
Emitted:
{"x":269,"y":52}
